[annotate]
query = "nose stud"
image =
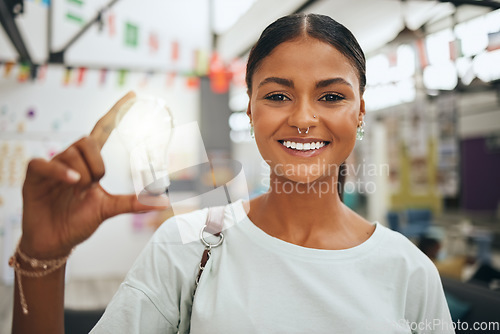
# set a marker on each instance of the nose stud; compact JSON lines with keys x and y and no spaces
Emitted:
{"x":307,"y":130}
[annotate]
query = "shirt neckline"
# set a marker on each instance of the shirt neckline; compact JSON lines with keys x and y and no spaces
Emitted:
{"x":257,"y":235}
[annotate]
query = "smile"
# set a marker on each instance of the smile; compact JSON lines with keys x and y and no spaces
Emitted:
{"x":303,"y":146}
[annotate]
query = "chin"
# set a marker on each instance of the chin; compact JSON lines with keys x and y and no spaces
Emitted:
{"x":302,"y":175}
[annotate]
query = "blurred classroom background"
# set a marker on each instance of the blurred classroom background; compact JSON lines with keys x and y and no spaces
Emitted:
{"x":428,"y":167}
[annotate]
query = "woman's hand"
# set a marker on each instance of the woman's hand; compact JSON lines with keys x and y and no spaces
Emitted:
{"x":63,"y":202}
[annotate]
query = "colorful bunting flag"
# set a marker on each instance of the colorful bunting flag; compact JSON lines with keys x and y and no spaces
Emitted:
{"x":24,"y":73}
{"x":8,"y":68}
{"x":219,"y":75}
{"x":102,"y":76}
{"x":67,"y":76}
{"x":122,"y":77}
{"x":81,"y":75}
{"x":193,"y":82}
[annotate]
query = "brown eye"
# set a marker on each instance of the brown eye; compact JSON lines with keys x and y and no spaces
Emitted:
{"x":277,"y":97}
{"x":331,"y":98}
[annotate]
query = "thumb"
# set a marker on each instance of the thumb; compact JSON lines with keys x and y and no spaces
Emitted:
{"x":118,"y":204}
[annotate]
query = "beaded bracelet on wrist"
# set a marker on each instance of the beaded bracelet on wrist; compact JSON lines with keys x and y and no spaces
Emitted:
{"x":40,"y":268}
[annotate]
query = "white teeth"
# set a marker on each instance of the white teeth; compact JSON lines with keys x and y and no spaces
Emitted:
{"x":303,"y":146}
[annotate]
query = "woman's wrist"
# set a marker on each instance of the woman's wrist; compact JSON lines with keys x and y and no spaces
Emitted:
{"x":41,"y":250}
{"x":26,"y":266}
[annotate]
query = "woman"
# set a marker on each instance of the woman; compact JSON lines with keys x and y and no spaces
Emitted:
{"x":299,"y":261}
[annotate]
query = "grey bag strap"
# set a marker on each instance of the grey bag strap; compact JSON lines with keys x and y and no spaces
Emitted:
{"x":213,"y":225}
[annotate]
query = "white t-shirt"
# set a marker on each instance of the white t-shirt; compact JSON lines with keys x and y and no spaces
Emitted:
{"x":255,"y":283}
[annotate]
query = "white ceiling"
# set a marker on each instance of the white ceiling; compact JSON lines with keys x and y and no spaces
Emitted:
{"x":238,"y":22}
{"x":373,"y":22}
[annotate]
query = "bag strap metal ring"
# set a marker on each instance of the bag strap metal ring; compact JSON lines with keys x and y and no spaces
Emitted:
{"x":208,"y":244}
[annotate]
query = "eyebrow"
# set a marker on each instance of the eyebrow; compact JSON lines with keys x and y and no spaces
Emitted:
{"x":280,"y":81}
{"x":332,"y":81}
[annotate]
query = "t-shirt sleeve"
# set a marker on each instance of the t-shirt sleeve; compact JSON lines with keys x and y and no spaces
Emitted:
{"x":132,"y":311}
{"x":428,"y":310}
{"x":156,"y":296}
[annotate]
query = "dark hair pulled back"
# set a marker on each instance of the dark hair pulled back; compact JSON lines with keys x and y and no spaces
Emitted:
{"x":321,"y":27}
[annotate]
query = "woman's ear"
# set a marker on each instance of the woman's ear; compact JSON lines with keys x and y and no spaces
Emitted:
{"x":362,"y":110}
{"x":249,"y":112}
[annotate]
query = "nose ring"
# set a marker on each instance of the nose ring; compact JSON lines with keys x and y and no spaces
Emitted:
{"x":307,"y":130}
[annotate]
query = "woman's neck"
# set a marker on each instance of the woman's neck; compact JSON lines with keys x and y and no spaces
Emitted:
{"x":308,"y":214}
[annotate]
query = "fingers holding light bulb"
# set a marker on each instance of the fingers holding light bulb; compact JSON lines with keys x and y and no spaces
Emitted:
{"x":106,"y":124}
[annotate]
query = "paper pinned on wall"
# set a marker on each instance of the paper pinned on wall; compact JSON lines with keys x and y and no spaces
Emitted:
{"x":131,"y":35}
{"x":74,"y":11}
{"x":154,"y":42}
{"x":111,"y":24}
{"x":72,"y":17}
{"x":175,"y":51}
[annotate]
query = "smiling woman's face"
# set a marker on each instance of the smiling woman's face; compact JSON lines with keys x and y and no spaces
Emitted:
{"x":305,"y":84}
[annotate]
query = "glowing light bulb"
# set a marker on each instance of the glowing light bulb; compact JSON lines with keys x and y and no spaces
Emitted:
{"x":145,"y":126}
